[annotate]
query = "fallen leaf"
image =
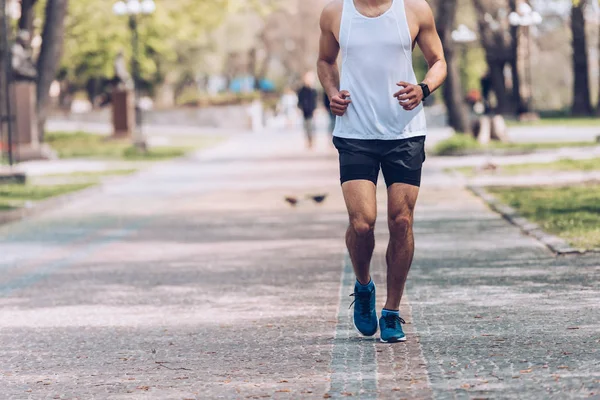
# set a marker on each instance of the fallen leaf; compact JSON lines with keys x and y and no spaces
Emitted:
{"x":146,"y":388}
{"x":326,"y":396}
{"x":283,"y":391}
{"x":563,"y":367}
{"x":465,"y":386}
{"x":526,"y":371}
{"x":347,"y":394}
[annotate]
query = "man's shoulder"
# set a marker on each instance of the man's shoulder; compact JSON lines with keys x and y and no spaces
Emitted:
{"x":332,"y":10}
{"x":419,"y":8}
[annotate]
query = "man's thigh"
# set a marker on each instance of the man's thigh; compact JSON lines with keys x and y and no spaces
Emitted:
{"x":361,"y":200}
{"x":402,"y":199}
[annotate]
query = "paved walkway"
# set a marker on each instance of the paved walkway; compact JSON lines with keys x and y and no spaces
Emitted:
{"x":195,"y":280}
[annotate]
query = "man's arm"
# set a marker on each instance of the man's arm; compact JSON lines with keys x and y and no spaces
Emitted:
{"x":327,"y":67}
{"x":431,"y":45}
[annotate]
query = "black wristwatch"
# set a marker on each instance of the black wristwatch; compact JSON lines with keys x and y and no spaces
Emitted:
{"x":426,"y":91}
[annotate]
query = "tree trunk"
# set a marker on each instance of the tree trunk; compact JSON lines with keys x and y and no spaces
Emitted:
{"x":458,"y":114}
{"x":27,"y":16}
{"x":582,"y":104}
{"x":598,"y":106}
{"x":497,"y":45}
{"x":50,"y":54}
{"x":499,"y":85}
{"x":517,"y":99}
{"x":2,"y":72}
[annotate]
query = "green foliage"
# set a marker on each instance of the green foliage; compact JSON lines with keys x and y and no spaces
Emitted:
{"x":456,"y":145}
{"x":168,"y":38}
{"x":572,"y":212}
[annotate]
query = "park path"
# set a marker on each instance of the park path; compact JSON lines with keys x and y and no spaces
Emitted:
{"x":195,"y":280}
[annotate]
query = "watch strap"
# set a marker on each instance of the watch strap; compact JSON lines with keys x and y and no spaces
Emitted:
{"x":426,"y":91}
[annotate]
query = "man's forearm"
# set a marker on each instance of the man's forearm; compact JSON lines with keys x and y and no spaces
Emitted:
{"x":329,"y":75}
{"x":436,"y":75}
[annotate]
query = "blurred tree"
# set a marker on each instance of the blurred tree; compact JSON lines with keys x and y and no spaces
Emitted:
{"x":598,"y":106}
{"x":27,"y":15}
{"x":517,"y":99}
{"x":496,"y":39}
{"x":458,"y":114}
{"x":173,"y":40}
{"x":50,"y":55}
{"x":582,"y":104}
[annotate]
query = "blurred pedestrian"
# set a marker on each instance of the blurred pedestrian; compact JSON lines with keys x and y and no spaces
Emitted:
{"x":327,"y":104}
{"x":307,"y":102}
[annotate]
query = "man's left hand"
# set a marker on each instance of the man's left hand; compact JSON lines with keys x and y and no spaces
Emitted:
{"x":410,"y":96}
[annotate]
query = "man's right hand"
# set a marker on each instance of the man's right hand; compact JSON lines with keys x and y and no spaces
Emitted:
{"x":339,"y":103}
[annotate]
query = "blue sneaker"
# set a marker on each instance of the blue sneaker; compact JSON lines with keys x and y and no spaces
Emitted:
{"x":365,"y":316}
{"x":391,"y":327}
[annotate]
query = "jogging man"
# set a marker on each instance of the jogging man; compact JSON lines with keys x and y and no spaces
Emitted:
{"x":380,"y":125}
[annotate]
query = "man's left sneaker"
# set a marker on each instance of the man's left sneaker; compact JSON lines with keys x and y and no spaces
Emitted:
{"x":390,"y":325}
{"x":365,"y":315}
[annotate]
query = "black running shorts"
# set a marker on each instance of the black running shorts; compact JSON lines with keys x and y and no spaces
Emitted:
{"x":401,"y":160}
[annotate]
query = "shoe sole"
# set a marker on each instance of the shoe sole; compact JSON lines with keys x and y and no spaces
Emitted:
{"x":393,"y":340}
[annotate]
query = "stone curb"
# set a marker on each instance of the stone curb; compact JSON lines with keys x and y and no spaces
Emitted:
{"x":554,"y":243}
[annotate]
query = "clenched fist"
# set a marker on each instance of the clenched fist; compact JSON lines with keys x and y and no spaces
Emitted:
{"x":339,"y":103}
{"x":410,"y":96}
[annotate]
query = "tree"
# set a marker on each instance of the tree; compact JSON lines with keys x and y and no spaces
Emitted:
{"x":582,"y":104}
{"x":458,"y":115}
{"x":173,"y":40}
{"x":27,"y":15}
{"x":50,"y":55}
{"x":517,"y":98}
{"x":598,"y":107}
{"x":496,"y":39}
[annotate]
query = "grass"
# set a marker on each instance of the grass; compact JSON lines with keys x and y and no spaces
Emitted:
{"x":563,"y":165}
{"x":14,"y":196}
{"x":558,"y":121}
{"x":464,"y":144}
{"x":85,"y":145}
{"x":571,"y":212}
{"x":457,"y":144}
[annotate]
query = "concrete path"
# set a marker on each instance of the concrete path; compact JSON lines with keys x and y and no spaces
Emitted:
{"x":195,"y":280}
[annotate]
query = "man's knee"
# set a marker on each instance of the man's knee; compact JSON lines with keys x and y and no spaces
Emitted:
{"x":363,"y":225}
{"x":400,"y":225}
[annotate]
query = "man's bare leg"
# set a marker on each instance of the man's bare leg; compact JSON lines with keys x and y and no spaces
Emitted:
{"x":401,"y":204}
{"x":361,"y":201}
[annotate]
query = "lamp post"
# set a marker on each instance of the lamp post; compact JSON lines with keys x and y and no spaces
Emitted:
{"x":464,"y":36}
{"x":132,"y":9}
{"x":526,"y":17}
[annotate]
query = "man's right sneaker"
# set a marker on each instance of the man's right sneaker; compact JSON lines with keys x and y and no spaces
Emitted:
{"x":365,"y":315}
{"x":391,"y":328}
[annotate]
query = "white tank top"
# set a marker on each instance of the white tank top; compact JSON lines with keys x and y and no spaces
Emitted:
{"x":376,"y":55}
